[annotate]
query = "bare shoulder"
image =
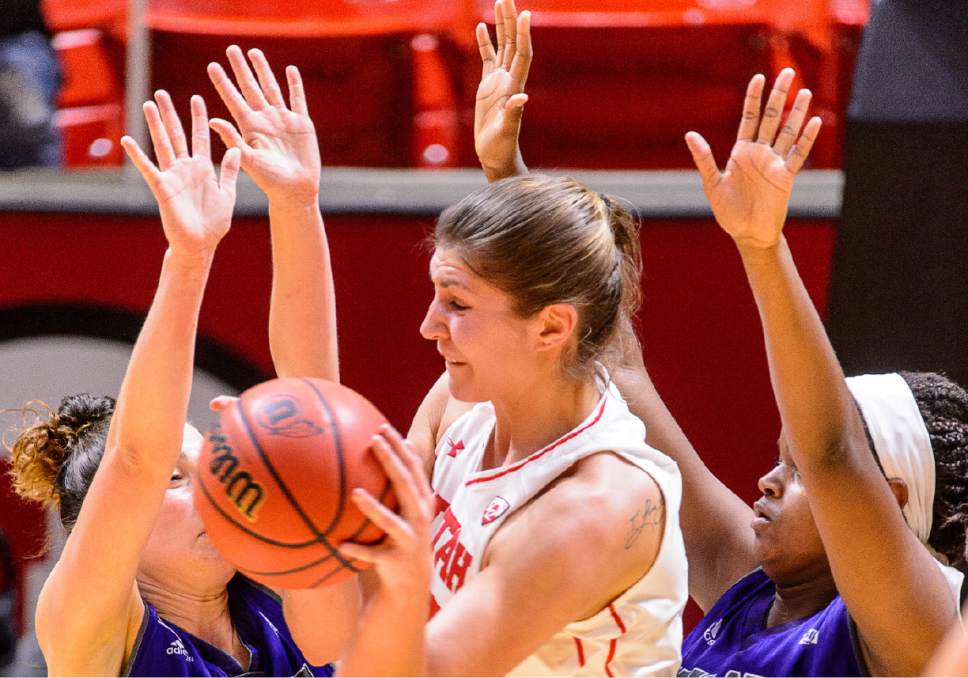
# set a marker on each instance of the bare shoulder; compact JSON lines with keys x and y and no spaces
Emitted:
{"x":612,"y":508}
{"x":434,"y":416}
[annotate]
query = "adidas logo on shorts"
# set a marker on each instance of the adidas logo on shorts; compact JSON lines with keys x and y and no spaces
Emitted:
{"x":810,"y":637}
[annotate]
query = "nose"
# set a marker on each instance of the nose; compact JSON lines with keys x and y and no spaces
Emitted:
{"x":771,"y":483}
{"x":433,"y":328}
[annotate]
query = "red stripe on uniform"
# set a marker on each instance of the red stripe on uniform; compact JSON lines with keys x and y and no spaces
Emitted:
{"x":611,"y":654}
{"x":581,"y":652}
{"x":618,"y":620}
{"x":539,"y":453}
{"x":613,"y":644}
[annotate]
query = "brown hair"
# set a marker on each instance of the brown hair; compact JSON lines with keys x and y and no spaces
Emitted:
{"x":549,"y":240}
{"x":53,"y":460}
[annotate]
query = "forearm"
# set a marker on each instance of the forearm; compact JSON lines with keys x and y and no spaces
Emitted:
{"x":302,"y":312}
{"x":515,"y":168}
{"x":153,"y":400}
{"x":818,"y":413}
{"x":322,"y":620}
{"x":390,"y":637}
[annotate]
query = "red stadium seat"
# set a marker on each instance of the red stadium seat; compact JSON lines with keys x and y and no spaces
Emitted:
{"x":91,"y":135}
{"x":88,"y":68}
{"x":617,"y":83}
{"x":380,"y":91}
{"x":70,"y":15}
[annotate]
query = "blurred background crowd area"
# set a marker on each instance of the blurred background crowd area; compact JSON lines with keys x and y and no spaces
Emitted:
{"x":392,"y":82}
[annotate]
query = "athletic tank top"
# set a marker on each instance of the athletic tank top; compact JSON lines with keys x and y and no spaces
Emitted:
{"x":640,"y":632}
{"x":163,"y":649}
{"x":732,"y":640}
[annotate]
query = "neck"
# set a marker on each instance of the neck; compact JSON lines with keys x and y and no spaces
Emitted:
{"x":796,"y":600}
{"x":537,"y":414}
{"x":203,"y":614}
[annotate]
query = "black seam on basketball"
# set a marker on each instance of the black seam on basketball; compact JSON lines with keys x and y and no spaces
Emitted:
{"x":322,"y":579}
{"x":300,"y":568}
{"x":251,"y":532}
{"x":338,"y":445}
{"x":285,"y":490}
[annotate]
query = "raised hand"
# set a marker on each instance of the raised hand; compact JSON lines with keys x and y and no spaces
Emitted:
{"x":749,"y":198}
{"x":403,"y":559}
{"x":195,"y":205}
{"x":278,"y":142}
{"x":500,"y":96}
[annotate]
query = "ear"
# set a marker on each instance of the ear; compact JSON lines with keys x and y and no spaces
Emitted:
{"x":555,"y":325}
{"x":900,"y":490}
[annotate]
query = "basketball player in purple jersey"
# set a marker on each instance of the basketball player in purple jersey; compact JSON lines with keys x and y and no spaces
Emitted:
{"x":139,"y":589}
{"x":830,"y":610}
{"x":831,"y":572}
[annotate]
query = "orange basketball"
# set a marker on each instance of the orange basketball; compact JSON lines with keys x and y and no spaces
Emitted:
{"x":274,"y":479}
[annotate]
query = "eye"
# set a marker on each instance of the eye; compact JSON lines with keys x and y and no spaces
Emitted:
{"x":176,"y":477}
{"x":457,"y":306}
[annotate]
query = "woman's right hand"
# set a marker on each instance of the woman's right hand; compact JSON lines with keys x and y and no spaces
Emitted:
{"x":500,"y":95}
{"x":750,"y":197}
{"x":403,"y":559}
{"x":195,"y":204}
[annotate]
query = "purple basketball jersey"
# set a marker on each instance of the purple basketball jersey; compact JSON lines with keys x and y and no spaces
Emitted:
{"x":163,"y":649}
{"x":732,"y":639}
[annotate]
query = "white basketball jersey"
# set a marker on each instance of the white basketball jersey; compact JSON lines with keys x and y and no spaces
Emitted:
{"x":640,"y":632}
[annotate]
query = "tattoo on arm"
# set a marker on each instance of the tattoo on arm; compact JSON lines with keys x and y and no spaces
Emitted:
{"x":649,"y":516}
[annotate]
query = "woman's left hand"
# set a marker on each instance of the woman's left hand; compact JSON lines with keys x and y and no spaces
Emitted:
{"x":403,"y":560}
{"x":278,"y":142}
{"x":749,"y":199}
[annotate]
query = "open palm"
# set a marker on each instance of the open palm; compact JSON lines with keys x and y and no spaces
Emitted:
{"x":500,"y":95}
{"x":195,"y":204}
{"x":749,"y":198}
{"x":278,"y":143}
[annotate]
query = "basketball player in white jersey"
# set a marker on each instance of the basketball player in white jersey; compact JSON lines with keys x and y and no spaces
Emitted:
{"x":549,"y":542}
{"x":554,"y":542}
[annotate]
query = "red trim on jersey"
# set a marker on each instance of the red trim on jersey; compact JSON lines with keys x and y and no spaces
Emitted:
{"x":618,"y":620}
{"x":613,"y":643}
{"x":611,"y":653}
{"x":581,"y":652}
{"x":540,"y":453}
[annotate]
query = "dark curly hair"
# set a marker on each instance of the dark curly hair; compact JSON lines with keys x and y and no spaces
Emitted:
{"x":944,"y":407}
{"x":53,"y":460}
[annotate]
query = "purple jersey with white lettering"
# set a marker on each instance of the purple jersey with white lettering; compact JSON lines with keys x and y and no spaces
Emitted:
{"x":732,"y":639}
{"x":163,"y":649}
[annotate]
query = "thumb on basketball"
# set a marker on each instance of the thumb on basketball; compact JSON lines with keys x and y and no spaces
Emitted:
{"x":222,"y":402}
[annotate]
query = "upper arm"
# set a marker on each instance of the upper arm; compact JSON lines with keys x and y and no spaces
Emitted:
{"x":535,"y":581}
{"x":322,"y":620}
{"x":715,"y":522}
{"x":434,"y":416}
{"x":889,"y":582}
{"x":90,"y":598}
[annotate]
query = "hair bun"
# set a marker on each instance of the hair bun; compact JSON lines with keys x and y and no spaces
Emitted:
{"x":41,"y":449}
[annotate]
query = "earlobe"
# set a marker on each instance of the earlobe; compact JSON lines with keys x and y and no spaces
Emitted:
{"x":556,"y":324}
{"x":900,"y":490}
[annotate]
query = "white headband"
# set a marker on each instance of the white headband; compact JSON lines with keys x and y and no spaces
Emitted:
{"x":901,"y":442}
{"x":903,"y":447}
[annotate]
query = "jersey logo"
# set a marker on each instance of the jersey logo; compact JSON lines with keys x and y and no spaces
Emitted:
{"x":454,"y":448}
{"x":451,"y":558}
{"x":497,"y":508}
{"x":710,"y":634}
{"x":810,"y":637}
{"x":178,"y":647}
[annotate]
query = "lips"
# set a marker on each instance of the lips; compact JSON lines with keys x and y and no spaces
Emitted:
{"x":761,"y":511}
